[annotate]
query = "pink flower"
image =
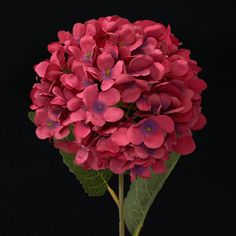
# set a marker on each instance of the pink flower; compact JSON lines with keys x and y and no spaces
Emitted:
{"x":48,"y":124}
{"x":151,"y":131}
{"x":100,"y":105}
{"x":108,"y":70}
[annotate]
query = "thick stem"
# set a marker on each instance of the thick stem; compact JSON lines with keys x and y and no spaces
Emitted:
{"x":121,"y":205}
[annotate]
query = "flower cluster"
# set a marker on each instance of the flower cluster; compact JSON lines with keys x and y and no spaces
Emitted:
{"x":119,"y":96}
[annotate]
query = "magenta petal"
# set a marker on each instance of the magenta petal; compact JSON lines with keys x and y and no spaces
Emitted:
{"x":141,"y":152}
{"x":110,"y":97}
{"x":179,"y":67}
{"x":131,"y":94}
{"x":146,"y":174}
{"x":159,"y":167}
{"x":81,"y":130}
{"x":105,"y":61}
{"x":157,"y":71}
{"x":67,"y":146}
{"x":61,"y":132}
{"x":155,"y":31}
{"x":44,"y":132}
{"x":107,"y":145}
{"x":107,"y":84}
{"x":201,"y":122}
{"x":143,"y":104}
{"x":120,"y":137}
{"x":41,"y":68}
{"x":113,"y":114}
{"x":117,"y":166}
{"x":135,"y":136}
{"x":78,"y":30}
{"x":140,"y":63}
{"x":185,"y":145}
{"x":81,"y":156}
{"x":74,"y":104}
{"x":90,"y":95}
{"x":154,"y":140}
{"x":124,"y":78}
{"x":87,"y":44}
{"x":71,"y":81}
{"x":117,"y":69}
{"x":165,"y":123}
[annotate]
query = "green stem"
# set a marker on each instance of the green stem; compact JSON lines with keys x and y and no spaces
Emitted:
{"x":121,"y":205}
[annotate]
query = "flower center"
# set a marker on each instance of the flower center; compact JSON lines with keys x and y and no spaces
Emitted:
{"x":107,"y":72}
{"x":99,"y":107}
{"x":149,"y":126}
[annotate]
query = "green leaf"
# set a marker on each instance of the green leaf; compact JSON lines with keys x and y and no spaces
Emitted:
{"x":31,"y":115}
{"x":94,"y":182}
{"x":141,"y":195}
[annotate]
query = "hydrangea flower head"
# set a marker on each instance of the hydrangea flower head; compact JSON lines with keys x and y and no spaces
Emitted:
{"x":126,"y":92}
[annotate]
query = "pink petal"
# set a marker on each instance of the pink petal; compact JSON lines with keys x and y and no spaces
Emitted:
{"x":105,"y":61}
{"x":155,"y":31}
{"x":96,"y":120}
{"x":165,"y":123}
{"x":131,"y":94}
{"x":81,"y":156}
{"x":117,"y":166}
{"x":112,"y":48}
{"x":141,"y":152}
{"x":159,"y":167}
{"x":90,"y":30}
{"x":63,"y":36}
{"x":41,"y":117}
{"x":87,"y":44}
{"x":124,"y":78}
{"x":135,"y":136}
{"x":110,"y":97}
{"x":71,"y":81}
{"x":157,"y":71}
{"x":154,"y":140}
{"x":44,"y":132}
{"x":107,"y":84}
{"x":52,"y":47}
{"x":66,"y":146}
{"x":143,"y":104}
{"x":81,"y":130}
{"x":159,"y":153}
{"x":61,"y":132}
{"x":74,"y":104}
{"x":127,"y":34}
{"x":201,"y":122}
{"x":41,"y":68}
{"x":78,"y":30}
{"x":146,"y":174}
{"x":106,"y":145}
{"x":144,"y":72}
{"x":179,"y":68}
{"x":185,"y":145}
{"x":113,"y":114}
{"x":120,"y":137}
{"x":117,"y":69}
{"x":90,"y":95}
{"x":140,"y":63}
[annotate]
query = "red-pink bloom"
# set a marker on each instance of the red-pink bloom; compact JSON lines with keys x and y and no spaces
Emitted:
{"x":100,"y":106}
{"x":108,"y":70}
{"x":151,"y":131}
{"x":119,"y":96}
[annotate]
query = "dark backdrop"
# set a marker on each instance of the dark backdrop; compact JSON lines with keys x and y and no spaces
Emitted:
{"x":38,"y":196}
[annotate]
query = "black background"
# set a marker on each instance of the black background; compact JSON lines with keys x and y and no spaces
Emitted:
{"x":38,"y":195}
